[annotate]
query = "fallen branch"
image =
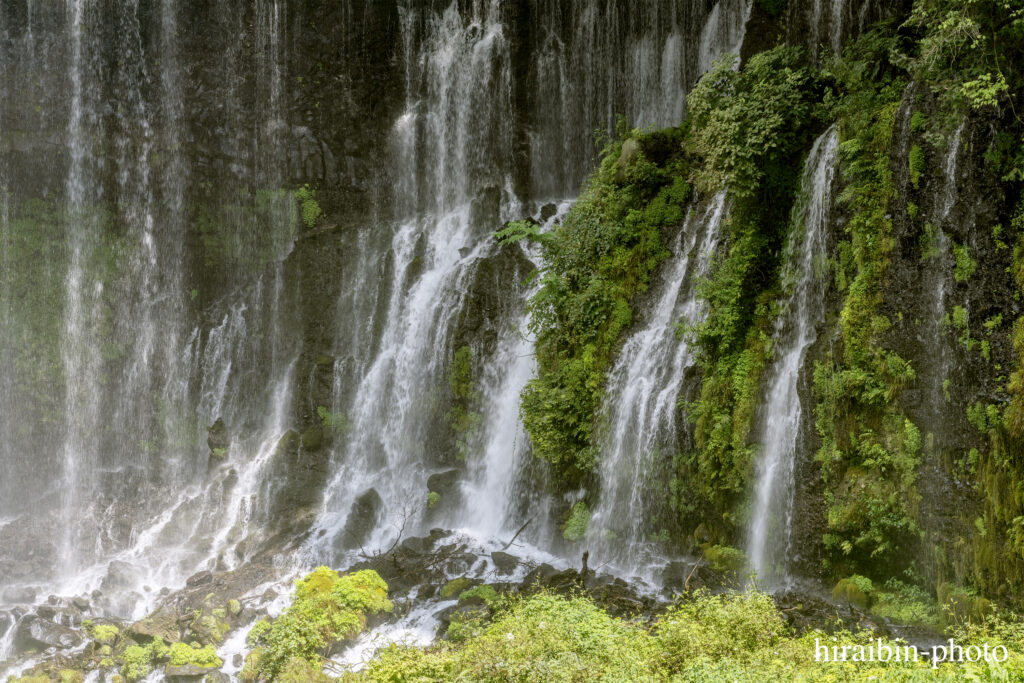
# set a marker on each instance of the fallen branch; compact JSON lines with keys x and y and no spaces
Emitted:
{"x":686,"y":584}
{"x":512,"y":540}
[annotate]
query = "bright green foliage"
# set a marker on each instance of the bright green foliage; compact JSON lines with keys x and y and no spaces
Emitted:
{"x":597,"y":261}
{"x":706,"y":639}
{"x":575,"y":527}
{"x":327,"y":608}
{"x":137,"y":660}
{"x":298,"y":670}
{"x":308,"y":205}
{"x":256,"y":633}
{"x":906,"y":604}
{"x":750,"y":129}
{"x":463,"y":416}
{"x":916,"y":164}
{"x":541,"y":638}
{"x":70,"y":676}
{"x":869,"y":450}
{"x":965,"y":265}
{"x":433,"y":499}
{"x":716,"y":627}
{"x":105,"y":634}
{"x":183,"y":654}
{"x":917,"y":122}
{"x":746,"y":123}
{"x":483,"y":592}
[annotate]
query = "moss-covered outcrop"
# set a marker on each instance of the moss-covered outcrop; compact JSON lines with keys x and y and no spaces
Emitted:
{"x":328,"y":608}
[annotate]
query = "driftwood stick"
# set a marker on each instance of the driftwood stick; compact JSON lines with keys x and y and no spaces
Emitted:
{"x":511,"y":540}
{"x":686,"y":584}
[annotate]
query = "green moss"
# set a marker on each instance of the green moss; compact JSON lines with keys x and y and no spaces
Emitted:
{"x":137,"y":660}
{"x":965,"y":265}
{"x":455,"y":587}
{"x":855,"y":590}
{"x":483,"y":592}
{"x":70,"y":676}
{"x":575,"y":527}
{"x":182,"y":654}
{"x":916,"y":164}
{"x":336,"y":422}
{"x":599,"y":258}
{"x":463,"y":417}
{"x":308,"y":205}
{"x":433,"y":499}
{"x":327,"y":608}
{"x":105,"y":634}
{"x":727,"y":560}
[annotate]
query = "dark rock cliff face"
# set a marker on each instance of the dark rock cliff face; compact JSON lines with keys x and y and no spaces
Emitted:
{"x":256,"y":97}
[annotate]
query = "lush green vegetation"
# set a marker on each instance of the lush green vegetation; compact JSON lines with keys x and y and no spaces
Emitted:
{"x":750,"y":130}
{"x":597,"y":261}
{"x":735,"y":637}
{"x":746,"y":134}
{"x":869,"y":449}
{"x":327,"y":608}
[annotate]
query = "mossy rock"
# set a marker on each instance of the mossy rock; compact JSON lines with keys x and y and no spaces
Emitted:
{"x":313,"y":438}
{"x":853,"y":591}
{"x":163,"y":623}
{"x":455,"y":587}
{"x":725,"y":559}
{"x":960,"y":604}
{"x":479,"y":595}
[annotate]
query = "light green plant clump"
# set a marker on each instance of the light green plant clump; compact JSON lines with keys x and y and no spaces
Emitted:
{"x":327,"y":608}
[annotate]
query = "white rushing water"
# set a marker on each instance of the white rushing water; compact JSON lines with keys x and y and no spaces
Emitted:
{"x":796,"y":330}
{"x":160,"y":302}
{"x":643,"y":389}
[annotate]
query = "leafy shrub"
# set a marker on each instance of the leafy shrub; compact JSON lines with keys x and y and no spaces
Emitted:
{"x":308,"y":205}
{"x":575,"y":527}
{"x":597,"y":261}
{"x":183,"y":654}
{"x":327,"y":608}
{"x":716,"y":626}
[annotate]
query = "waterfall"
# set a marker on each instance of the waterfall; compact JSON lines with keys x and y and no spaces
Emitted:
{"x":768,"y":539}
{"x":456,"y":123}
{"x":597,"y":60}
{"x":99,"y":327}
{"x":155,"y":341}
{"x":643,"y":389}
{"x":937,"y":260}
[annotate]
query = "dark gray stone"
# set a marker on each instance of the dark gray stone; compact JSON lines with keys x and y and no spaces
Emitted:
{"x":505,"y":563}
{"x":362,"y":518}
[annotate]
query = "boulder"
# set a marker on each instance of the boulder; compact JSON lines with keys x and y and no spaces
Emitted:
{"x":191,"y":672}
{"x":163,"y":623}
{"x":362,"y":518}
{"x":505,"y":563}
{"x":443,"y":483}
{"x":40,"y":634}
{"x":217,"y":437}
